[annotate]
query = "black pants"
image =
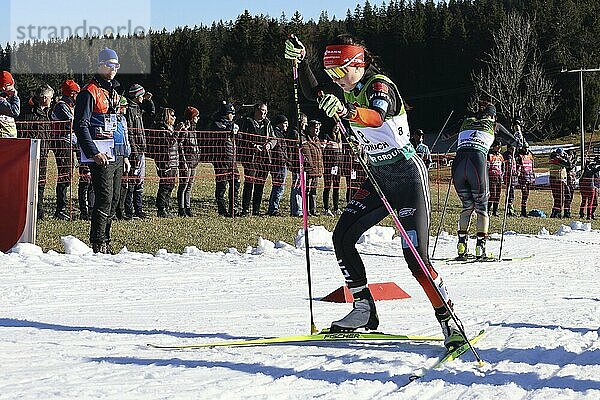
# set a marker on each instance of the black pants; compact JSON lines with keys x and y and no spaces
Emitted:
{"x":470,"y":179}
{"x":406,"y":186}
{"x":184,"y":190}
{"x":106,"y":180}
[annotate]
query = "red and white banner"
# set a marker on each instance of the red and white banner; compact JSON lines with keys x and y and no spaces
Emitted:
{"x":19,"y":159}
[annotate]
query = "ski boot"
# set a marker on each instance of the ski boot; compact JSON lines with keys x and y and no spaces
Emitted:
{"x":480,"y":248}
{"x":453,"y":338}
{"x":461,"y":247}
{"x":363,"y":314}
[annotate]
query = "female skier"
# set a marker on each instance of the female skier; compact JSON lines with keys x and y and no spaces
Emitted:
{"x":373,"y":107}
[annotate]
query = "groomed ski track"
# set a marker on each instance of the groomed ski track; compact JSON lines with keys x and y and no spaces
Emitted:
{"x":76,"y":326}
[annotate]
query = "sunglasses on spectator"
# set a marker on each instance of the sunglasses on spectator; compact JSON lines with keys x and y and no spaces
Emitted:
{"x":337,"y":72}
{"x":112,"y":65}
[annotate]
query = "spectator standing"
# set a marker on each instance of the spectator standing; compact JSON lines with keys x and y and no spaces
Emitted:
{"x":312,"y":149}
{"x":590,"y":180}
{"x":63,"y":145}
{"x":277,"y":149}
{"x":571,"y":183}
{"x":96,"y":118}
{"x":166,"y":157}
{"x":510,"y":177}
{"x":526,"y":174}
{"x":416,"y":138}
{"x":189,"y":152}
{"x":10,"y":106}
{"x":332,"y":174}
{"x":139,"y":107}
{"x":496,"y":175}
{"x":36,"y":117}
{"x":294,"y":164}
{"x":225,"y":164}
{"x":256,"y":131}
{"x":559,"y":162}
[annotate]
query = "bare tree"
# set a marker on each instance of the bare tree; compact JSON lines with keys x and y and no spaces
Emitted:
{"x":513,"y":77}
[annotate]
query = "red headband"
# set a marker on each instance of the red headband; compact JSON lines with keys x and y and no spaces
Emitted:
{"x":344,"y":55}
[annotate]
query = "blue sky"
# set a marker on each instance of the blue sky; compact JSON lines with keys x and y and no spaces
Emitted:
{"x":20,"y":21}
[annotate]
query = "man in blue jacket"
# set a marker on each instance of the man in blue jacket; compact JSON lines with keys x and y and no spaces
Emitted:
{"x":101,"y":137}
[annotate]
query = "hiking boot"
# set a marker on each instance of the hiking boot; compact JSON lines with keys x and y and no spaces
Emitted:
{"x":461,"y":247}
{"x":363,"y":314}
{"x":555,"y":213}
{"x":567,"y":214}
{"x":188,"y":212}
{"x":181,"y":212}
{"x":480,"y":248}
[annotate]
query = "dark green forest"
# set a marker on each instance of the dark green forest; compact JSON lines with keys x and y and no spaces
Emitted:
{"x":430,"y":49}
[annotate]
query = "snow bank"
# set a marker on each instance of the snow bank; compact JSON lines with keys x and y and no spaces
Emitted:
{"x":75,"y":246}
{"x":27,"y":249}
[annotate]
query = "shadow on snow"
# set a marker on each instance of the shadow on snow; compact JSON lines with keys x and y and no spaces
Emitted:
{"x":19,"y":323}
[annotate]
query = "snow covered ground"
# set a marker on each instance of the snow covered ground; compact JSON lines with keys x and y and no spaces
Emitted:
{"x":75,"y":325}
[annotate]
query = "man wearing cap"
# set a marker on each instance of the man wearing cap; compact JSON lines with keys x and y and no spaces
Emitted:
{"x":63,"y":147}
{"x":10,"y":106}
{"x":279,"y":161}
{"x":137,"y":138}
{"x":225,"y":164}
{"x":96,"y":119}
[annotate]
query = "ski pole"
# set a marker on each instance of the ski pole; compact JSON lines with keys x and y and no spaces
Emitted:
{"x":313,"y":327}
{"x":508,"y":186}
{"x":354,"y":146}
{"x":437,"y":235}
{"x":442,"y":130}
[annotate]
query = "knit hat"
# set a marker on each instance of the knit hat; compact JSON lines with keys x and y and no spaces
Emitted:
{"x":226,"y":108}
{"x":107,"y":54}
{"x":6,"y":79}
{"x":69,"y":87}
{"x":486,"y":109}
{"x":190,"y":112}
{"x":136,"y":90}
{"x":279,"y":119}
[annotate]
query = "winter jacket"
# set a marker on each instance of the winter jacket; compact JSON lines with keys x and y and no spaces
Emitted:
{"x":495,"y":166}
{"x":166,"y":146}
{"x":64,"y":111}
{"x":189,"y":149}
{"x":558,"y":166}
{"x":33,"y":116}
{"x":253,"y":138}
{"x":312,"y":150}
{"x":224,"y":144}
{"x":10,"y":108}
{"x":135,"y":123}
{"x":96,"y":101}
{"x":277,"y":148}
{"x":525,"y":166}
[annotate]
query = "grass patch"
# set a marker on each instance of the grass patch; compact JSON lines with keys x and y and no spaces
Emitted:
{"x":211,"y":232}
